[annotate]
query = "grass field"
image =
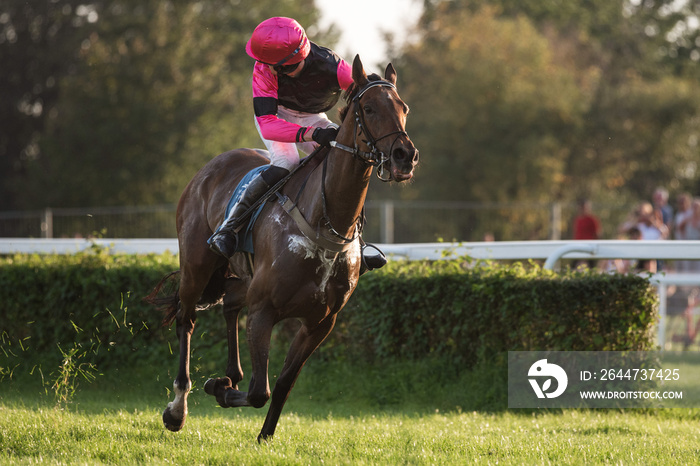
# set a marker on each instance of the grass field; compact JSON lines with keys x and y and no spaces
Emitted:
{"x":337,"y":414}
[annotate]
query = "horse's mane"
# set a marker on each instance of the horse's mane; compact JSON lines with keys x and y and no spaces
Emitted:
{"x":351,"y":92}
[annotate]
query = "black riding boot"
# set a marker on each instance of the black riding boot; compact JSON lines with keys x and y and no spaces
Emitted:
{"x":225,"y":240}
{"x":371,"y":261}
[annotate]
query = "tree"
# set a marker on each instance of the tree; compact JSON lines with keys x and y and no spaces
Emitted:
{"x":489,"y":109}
{"x":150,"y":92}
{"x":38,"y":45}
{"x":536,"y":101}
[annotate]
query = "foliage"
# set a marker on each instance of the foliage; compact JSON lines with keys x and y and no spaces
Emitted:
{"x":473,"y":315}
{"x":91,"y":302}
{"x":121,"y":100}
{"x":542,"y":101}
{"x":38,"y":45}
{"x":490,"y":110}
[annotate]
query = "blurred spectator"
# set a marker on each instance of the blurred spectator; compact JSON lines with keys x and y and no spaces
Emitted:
{"x":691,"y":330}
{"x":691,"y":230}
{"x":625,"y":265}
{"x":650,"y":223}
{"x":660,"y":200}
{"x":586,"y":226}
{"x":691,"y":223}
{"x":652,"y":227}
{"x":683,"y":212}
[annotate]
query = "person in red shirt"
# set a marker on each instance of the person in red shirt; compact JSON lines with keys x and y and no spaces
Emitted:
{"x":586,"y":226}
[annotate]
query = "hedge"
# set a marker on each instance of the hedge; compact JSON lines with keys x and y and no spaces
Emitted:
{"x":92,"y":300}
{"x":410,"y":310}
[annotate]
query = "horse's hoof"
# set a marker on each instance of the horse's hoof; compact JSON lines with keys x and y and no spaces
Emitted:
{"x":217,"y":388}
{"x":171,"y":422}
{"x":212,"y":385}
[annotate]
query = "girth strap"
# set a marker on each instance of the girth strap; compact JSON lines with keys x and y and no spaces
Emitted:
{"x":291,"y":208}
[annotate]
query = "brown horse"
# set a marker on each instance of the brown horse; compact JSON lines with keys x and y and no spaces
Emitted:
{"x":307,"y":249}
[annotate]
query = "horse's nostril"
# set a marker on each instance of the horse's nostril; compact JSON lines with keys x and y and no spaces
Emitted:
{"x":399,"y":154}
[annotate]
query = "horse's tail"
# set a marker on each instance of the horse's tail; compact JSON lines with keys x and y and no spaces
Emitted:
{"x":170,"y":303}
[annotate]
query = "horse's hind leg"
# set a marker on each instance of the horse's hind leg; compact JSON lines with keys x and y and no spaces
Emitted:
{"x":191,"y":288}
{"x":175,"y":414}
{"x":305,"y":343}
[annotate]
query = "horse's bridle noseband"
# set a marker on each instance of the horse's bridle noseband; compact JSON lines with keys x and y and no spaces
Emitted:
{"x":374,"y":157}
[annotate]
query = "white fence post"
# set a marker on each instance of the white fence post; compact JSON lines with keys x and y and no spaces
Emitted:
{"x":555,"y":220}
{"x":47,"y":223}
{"x":387,"y":222}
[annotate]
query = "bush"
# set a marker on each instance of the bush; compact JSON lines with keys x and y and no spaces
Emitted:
{"x":92,"y":301}
{"x":470,"y":315}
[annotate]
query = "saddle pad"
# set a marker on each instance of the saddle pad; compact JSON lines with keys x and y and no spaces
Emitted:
{"x":245,"y":236}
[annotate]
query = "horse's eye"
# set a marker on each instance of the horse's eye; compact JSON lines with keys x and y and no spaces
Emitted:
{"x":367,"y":109}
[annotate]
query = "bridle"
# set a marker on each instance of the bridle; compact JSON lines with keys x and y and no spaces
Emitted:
{"x":374,"y":157}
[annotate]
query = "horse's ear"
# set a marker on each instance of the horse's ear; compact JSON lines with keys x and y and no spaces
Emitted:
{"x":390,"y":74}
{"x":358,"y":72}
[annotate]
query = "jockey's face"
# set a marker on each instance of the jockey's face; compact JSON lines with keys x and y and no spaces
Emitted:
{"x":290,"y":70}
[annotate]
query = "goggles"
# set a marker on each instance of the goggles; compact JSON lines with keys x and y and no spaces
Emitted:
{"x":285,"y":69}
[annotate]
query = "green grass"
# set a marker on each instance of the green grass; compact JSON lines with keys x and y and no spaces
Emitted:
{"x":338,"y":414}
{"x":118,"y":436}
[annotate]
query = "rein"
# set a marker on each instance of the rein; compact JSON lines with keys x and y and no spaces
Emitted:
{"x":311,"y":233}
{"x":374,"y":157}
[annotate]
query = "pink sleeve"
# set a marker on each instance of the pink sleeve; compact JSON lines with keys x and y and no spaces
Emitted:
{"x":271,"y":127}
{"x":276,"y":129}
{"x":344,"y":74}
{"x":264,"y":82}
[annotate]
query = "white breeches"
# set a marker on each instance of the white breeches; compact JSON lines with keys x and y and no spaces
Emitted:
{"x":286,"y":154}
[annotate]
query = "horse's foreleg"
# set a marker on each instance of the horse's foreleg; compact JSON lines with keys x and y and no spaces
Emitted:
{"x":234,"y":300}
{"x":175,"y":414}
{"x":305,"y":343}
{"x":258,"y":333}
{"x":225,"y":389}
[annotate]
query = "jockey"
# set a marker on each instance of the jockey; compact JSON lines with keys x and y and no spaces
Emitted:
{"x":295,"y":82}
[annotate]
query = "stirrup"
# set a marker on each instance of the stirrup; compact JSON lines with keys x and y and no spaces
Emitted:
{"x":371,"y":262}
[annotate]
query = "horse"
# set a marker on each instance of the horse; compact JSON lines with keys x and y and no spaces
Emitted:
{"x":307,"y":252}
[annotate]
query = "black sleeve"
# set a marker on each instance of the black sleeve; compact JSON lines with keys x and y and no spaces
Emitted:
{"x":264,"y":106}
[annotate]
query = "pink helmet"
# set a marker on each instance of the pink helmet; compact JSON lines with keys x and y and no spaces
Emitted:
{"x":278,"y":41}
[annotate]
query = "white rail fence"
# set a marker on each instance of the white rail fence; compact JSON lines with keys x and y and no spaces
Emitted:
{"x":549,"y":251}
